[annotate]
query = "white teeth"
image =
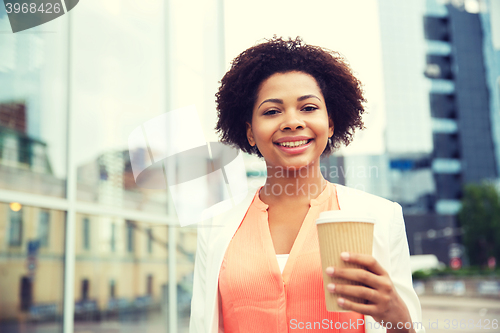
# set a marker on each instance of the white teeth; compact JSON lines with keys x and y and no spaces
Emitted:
{"x":293,"y":143}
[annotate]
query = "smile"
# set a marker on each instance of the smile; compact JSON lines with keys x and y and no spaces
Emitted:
{"x":294,"y":143}
{"x":294,"y":147}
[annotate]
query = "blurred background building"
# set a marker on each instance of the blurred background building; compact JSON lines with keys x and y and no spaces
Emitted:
{"x":83,"y":248}
{"x":440,"y":65}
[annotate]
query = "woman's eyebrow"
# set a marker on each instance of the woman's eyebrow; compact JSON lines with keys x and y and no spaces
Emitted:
{"x":280,"y":101}
{"x":301,"y":98}
{"x":272,"y":100}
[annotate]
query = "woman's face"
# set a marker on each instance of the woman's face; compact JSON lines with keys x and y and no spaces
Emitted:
{"x":290,"y":123}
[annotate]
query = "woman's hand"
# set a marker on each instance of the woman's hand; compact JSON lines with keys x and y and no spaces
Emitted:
{"x":384,"y":304}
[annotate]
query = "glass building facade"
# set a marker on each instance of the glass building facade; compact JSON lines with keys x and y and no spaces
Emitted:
{"x":461,"y":95}
{"x":490,"y":23}
{"x":82,"y":246}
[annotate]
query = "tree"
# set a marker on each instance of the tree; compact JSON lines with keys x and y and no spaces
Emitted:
{"x":480,"y":219}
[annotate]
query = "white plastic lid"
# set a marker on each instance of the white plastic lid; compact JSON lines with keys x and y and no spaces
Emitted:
{"x":344,"y":216}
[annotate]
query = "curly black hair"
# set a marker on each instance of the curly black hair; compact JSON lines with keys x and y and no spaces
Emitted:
{"x":239,"y":88}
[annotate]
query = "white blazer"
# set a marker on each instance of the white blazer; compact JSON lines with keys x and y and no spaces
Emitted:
{"x":390,"y":249}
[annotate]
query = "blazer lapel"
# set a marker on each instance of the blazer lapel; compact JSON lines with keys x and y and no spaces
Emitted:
{"x":224,"y":228}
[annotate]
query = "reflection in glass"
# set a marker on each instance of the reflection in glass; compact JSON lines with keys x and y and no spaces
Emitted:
{"x":114,"y":91}
{"x":32,"y":111}
{"x":15,"y":228}
{"x":44,"y":228}
{"x":121,"y":274}
{"x":31,"y":268}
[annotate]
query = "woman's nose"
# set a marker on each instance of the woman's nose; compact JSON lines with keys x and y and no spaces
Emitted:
{"x":292,"y":121}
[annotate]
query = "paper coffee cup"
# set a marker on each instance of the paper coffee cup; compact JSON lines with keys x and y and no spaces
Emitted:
{"x":342,"y":231}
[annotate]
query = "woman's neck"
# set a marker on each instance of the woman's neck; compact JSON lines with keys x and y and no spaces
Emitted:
{"x":292,"y":186}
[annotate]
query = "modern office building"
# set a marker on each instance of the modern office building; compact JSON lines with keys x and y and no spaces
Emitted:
{"x":462,"y":72}
{"x":120,"y":263}
{"x":441,"y":96}
{"x":464,"y":144}
{"x":82,"y":246}
{"x":490,"y":22}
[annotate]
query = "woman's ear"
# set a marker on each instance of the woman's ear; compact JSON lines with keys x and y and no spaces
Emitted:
{"x":250,"y":138}
{"x":331,"y":127}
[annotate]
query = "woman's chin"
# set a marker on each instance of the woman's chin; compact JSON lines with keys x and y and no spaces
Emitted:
{"x":295,"y":164}
{"x":297,"y":167}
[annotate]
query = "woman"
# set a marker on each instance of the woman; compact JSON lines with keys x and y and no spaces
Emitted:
{"x":291,"y":103}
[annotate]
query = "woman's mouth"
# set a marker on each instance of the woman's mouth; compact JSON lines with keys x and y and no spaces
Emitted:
{"x":294,"y":147}
{"x":293,"y":144}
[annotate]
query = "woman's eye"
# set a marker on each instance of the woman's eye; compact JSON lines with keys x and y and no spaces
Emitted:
{"x":310,"y":108}
{"x":270,"y":112}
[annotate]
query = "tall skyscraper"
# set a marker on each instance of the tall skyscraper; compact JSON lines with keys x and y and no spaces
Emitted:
{"x":464,"y":148}
{"x":490,"y":21}
{"x":441,"y":69}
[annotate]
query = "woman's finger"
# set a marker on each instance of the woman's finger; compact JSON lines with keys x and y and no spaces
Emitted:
{"x":357,"y":291}
{"x":366,"y":309}
{"x":364,"y":277}
{"x":365,"y":260}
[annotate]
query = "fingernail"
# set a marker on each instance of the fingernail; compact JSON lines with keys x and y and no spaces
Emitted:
{"x":329,"y":270}
{"x":344,"y":256}
{"x":340,"y":301}
{"x":331,"y":287}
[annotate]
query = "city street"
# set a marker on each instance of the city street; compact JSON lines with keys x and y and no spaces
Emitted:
{"x":442,"y":314}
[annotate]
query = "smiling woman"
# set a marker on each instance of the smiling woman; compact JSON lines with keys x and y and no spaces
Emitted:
{"x":291,"y":103}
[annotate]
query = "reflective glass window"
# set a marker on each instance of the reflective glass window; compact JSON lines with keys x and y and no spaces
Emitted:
{"x":33,"y":106}
{"x":44,"y":227}
{"x":128,"y":290}
{"x":15,"y":228}
{"x":31,"y":268}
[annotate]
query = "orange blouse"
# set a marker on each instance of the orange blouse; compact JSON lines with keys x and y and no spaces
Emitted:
{"x":257,"y":297}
